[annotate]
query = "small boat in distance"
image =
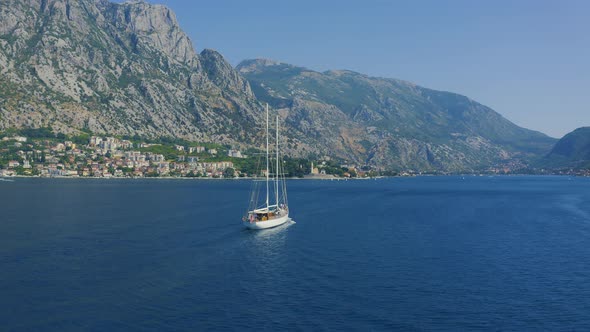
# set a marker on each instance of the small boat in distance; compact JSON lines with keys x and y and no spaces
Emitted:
{"x":263,"y":215}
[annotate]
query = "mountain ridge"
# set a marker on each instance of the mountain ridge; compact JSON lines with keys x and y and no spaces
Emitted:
{"x":571,"y":151}
{"x":405,"y":114}
{"x":129,"y":69}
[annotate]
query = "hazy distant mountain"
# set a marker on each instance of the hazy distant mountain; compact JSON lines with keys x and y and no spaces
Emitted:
{"x":573,"y":150}
{"x":391,"y":122}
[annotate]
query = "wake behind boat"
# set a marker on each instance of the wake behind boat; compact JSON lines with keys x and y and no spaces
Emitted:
{"x":266,"y":215}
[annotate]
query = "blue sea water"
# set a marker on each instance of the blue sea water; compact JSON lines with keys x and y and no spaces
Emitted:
{"x":424,"y":253}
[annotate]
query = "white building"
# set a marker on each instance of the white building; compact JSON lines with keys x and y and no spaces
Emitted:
{"x":235,"y":153}
{"x":95,"y":140}
{"x":21,"y":139}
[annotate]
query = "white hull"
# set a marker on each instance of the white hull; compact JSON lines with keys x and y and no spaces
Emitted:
{"x":267,"y":223}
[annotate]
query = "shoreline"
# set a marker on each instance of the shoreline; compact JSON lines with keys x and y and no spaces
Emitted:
{"x":12,"y":178}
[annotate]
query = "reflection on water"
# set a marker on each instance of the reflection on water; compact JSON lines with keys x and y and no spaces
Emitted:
{"x":267,"y":250}
{"x":271,"y":238}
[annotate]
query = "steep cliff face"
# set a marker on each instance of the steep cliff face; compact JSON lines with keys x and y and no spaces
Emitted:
{"x":115,"y":68}
{"x":391,"y":122}
{"x":151,"y":25}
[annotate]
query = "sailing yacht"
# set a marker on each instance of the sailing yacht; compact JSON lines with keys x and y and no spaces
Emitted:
{"x":269,"y":213}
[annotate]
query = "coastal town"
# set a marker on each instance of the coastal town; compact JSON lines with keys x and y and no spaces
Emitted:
{"x":105,"y":157}
{"x":112,"y":157}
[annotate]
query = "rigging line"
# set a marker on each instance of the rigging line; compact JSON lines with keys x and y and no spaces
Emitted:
{"x":277,"y":167}
{"x":267,"y":170}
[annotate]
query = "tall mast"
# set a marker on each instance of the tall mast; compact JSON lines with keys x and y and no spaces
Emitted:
{"x":267,"y":165}
{"x":277,"y":168}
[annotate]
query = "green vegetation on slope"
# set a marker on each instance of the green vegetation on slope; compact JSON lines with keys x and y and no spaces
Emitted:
{"x":573,"y":150}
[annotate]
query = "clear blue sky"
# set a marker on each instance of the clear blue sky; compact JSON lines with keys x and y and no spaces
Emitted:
{"x":528,"y":60}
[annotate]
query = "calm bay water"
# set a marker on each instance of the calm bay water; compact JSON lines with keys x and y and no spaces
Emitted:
{"x":426,"y":253}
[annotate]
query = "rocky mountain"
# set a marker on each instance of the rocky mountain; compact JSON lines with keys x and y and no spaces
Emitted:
{"x":390,"y":122}
{"x":129,"y":69}
{"x":124,"y":69}
{"x":571,"y":151}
